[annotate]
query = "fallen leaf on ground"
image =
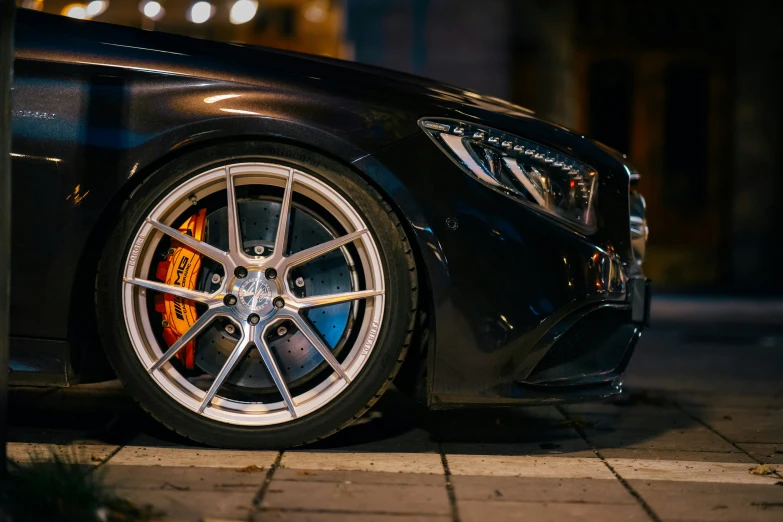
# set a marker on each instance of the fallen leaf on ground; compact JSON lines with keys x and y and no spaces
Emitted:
{"x":763,"y":469}
{"x":93,"y":458}
{"x":249,"y":469}
{"x":304,"y":473}
{"x":168,"y":485}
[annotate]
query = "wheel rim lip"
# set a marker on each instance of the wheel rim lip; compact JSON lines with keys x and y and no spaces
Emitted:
{"x":137,"y":320}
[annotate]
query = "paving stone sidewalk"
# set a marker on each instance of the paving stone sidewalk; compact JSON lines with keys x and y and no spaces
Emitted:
{"x":678,"y":446}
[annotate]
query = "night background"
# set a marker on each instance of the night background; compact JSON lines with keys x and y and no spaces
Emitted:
{"x":689,"y":89}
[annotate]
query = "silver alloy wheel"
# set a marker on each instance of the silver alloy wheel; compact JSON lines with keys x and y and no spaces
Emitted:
{"x":256,"y":294}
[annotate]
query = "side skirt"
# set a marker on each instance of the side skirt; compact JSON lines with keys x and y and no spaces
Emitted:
{"x":40,"y":362}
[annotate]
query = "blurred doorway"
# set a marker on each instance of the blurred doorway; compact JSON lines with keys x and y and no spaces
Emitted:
{"x":669,"y":112}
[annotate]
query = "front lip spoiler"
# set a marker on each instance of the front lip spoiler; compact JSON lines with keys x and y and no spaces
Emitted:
{"x":520,"y":394}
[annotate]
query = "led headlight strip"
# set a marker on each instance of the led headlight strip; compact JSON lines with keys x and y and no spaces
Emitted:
{"x":521,"y":169}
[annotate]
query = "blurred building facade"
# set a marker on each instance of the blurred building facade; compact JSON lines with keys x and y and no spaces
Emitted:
{"x":309,"y":26}
{"x":687,"y":88}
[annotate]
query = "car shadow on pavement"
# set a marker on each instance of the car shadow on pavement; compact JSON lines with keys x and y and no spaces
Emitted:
{"x":395,"y":424}
{"x":636,"y":420}
{"x":102,"y":414}
{"x":705,"y":391}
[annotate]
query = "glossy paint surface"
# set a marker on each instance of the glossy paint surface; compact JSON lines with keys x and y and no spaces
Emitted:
{"x":98,"y":107}
{"x":506,"y":275}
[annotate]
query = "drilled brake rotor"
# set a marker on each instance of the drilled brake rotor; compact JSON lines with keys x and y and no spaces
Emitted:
{"x":328,"y":274}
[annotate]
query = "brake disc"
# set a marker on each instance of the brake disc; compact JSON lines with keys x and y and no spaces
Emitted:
{"x":328,"y":274}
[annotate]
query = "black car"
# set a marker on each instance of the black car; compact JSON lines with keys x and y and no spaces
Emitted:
{"x":261,"y":242}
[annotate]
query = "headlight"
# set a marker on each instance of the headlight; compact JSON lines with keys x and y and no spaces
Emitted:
{"x":548,"y":181}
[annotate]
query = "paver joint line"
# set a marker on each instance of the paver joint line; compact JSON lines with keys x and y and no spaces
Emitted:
{"x":449,"y":486}
{"x":126,"y":440}
{"x":259,"y":497}
{"x":776,"y":472}
{"x":635,"y":494}
{"x":328,"y":511}
{"x":109,"y":457}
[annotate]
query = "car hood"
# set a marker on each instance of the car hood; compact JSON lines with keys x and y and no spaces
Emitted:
{"x":96,"y":42}
{"x":419,"y":97}
{"x":396,"y":97}
{"x":410,"y":83}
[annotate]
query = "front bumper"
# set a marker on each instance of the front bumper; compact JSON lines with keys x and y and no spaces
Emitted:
{"x":583,"y":357}
{"x":593,"y":345}
{"x":506,"y":284}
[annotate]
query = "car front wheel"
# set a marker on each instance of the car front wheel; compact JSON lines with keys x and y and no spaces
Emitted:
{"x":256,"y":295}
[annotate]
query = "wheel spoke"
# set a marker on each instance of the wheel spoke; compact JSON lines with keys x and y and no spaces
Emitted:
{"x":191,"y":242}
{"x":324,"y":248}
{"x":329,"y":299}
{"x":234,"y":228}
{"x":195,"y":295}
{"x":239,"y":351}
{"x":319,"y":345}
{"x":281,"y":239}
{"x":202,"y":322}
{"x":274,"y":370}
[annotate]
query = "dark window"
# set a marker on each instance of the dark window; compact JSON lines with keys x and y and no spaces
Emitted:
{"x":281,"y":20}
{"x":262,"y":20}
{"x":288,"y":21}
{"x":609,"y":106}
{"x":685,"y":137}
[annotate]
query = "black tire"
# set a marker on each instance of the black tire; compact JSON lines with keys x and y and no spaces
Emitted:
{"x":393,"y":338}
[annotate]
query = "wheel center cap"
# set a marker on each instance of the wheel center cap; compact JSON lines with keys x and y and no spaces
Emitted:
{"x":254,"y":294}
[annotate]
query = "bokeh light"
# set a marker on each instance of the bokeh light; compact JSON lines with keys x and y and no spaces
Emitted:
{"x":78,"y":11}
{"x":152,"y":10}
{"x":201,"y":12}
{"x":243,"y":11}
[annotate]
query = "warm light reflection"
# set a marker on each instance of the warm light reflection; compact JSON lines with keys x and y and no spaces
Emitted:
{"x":240,"y":111}
{"x":243,"y":11}
{"x":78,"y":11}
{"x":77,"y":195}
{"x":201,"y":12}
{"x":503,"y":318}
{"x":27,"y":156}
{"x":220,"y":97}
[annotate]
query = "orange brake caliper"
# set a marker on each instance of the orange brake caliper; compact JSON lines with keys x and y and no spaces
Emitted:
{"x":181,"y":268}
